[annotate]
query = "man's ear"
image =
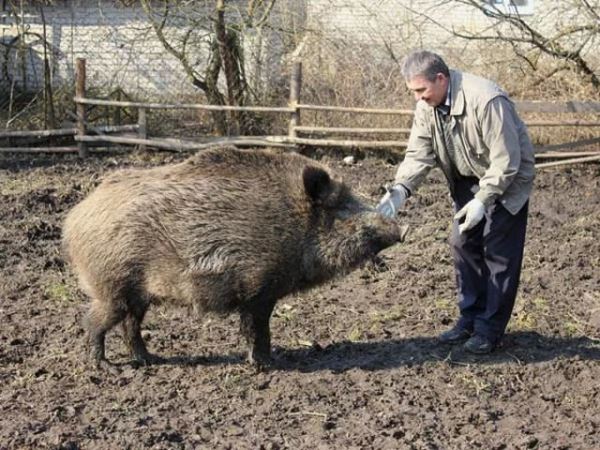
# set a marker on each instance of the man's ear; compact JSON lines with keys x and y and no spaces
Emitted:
{"x":317,"y":183}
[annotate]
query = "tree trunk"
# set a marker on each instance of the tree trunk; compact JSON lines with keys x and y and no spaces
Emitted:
{"x":229,"y":50}
{"x":211,"y":89}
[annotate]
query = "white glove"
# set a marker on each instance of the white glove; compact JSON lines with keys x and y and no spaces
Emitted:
{"x":392,"y":201}
{"x":474,"y":212}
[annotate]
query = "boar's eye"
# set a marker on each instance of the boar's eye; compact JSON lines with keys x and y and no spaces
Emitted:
{"x":317,"y":183}
{"x":350,"y":207}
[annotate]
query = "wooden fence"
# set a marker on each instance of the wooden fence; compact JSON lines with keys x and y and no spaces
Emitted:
{"x":298,"y":134}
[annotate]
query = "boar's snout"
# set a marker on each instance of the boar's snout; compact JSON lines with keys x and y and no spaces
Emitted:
{"x":388,"y":231}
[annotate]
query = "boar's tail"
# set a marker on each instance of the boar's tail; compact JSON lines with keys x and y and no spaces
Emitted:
{"x":64,"y":251}
{"x":65,"y":248}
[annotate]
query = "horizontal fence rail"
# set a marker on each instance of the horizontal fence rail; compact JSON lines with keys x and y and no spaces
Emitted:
{"x":185,"y":145}
{"x":571,"y":106}
{"x":200,"y":106}
{"x":402,"y":112}
{"x":562,"y":123}
{"x":346,"y":143}
{"x":288,"y":109}
{"x":346,"y":130}
{"x":66,"y":131}
{"x":85,"y":134}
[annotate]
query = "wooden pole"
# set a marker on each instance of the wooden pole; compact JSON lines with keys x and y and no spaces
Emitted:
{"x":295,"y":86}
{"x":72,"y":149}
{"x":402,"y":112}
{"x":65,"y":131}
{"x":567,"y":161}
{"x":567,"y":145}
{"x":80,"y":93}
{"x":95,"y":101}
{"x":142,"y":127}
{"x":117,"y":110}
{"x":558,"y":155}
{"x":182,"y":145}
{"x":346,"y":130}
{"x":562,"y":123}
{"x":348,"y":143}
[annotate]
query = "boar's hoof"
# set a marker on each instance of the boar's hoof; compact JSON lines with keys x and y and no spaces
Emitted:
{"x":107,"y":367}
{"x":147,"y":359}
{"x":263,"y":366}
{"x":260,"y":361}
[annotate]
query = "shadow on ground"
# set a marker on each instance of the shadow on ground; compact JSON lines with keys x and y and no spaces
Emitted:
{"x":521,"y":348}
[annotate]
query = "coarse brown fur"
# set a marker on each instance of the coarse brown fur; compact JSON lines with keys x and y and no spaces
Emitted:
{"x":226,"y":230}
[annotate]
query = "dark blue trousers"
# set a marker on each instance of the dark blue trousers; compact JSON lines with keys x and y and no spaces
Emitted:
{"x":487,"y":260}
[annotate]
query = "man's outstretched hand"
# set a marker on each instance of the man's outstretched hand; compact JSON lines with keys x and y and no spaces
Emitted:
{"x":392,"y":201}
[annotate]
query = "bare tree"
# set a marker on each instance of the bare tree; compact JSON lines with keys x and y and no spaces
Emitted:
{"x":566,"y":31}
{"x":213,"y":28}
{"x":16,"y":52}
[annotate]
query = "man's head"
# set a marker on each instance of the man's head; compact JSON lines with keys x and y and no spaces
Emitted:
{"x":427,"y":76}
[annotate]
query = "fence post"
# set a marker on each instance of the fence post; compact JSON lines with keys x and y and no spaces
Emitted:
{"x":117,"y":110}
{"x":295,"y":86}
{"x":80,"y":93}
{"x":142,"y":127}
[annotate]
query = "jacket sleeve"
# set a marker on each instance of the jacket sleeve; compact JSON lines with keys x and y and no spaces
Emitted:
{"x":501,"y":137}
{"x":419,"y":157}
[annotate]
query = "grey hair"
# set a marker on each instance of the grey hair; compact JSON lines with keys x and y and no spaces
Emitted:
{"x":423,"y":63}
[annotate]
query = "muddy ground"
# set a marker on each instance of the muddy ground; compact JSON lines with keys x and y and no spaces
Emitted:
{"x":359,"y":365}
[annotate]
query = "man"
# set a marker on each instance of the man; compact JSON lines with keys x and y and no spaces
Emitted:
{"x":467,"y":126}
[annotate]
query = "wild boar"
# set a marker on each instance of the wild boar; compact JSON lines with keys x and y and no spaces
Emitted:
{"x":227,"y":230}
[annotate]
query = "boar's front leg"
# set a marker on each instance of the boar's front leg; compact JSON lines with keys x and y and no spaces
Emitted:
{"x":254,"y":326}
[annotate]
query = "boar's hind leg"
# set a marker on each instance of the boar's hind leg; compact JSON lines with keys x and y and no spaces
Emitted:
{"x":102,"y":316}
{"x":133,"y":336}
{"x":254,"y":326}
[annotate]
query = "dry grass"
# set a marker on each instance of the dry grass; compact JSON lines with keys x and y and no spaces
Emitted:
{"x":335,"y":73}
{"x":343,"y":73}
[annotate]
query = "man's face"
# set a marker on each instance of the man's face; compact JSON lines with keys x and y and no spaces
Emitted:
{"x":431,"y":92}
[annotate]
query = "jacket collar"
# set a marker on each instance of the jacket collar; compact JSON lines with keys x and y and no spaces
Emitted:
{"x":457,"y":98}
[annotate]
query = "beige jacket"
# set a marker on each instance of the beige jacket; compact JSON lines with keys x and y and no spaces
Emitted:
{"x":490,"y":136}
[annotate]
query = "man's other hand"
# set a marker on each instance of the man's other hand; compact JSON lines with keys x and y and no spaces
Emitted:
{"x":473,"y":212}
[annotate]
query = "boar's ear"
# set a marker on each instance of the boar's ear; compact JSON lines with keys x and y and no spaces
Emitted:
{"x":316,"y":182}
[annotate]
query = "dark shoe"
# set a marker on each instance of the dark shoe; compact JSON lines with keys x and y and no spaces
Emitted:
{"x":454,"y":335}
{"x":479,"y":345}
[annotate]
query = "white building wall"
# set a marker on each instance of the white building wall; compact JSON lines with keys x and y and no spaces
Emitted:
{"x":401,"y":22}
{"x":118,"y":44}
{"x":396,"y":26}
{"x":122,"y":49}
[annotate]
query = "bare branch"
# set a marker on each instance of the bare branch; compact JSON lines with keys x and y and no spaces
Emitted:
{"x":254,"y":6}
{"x":590,"y":9}
{"x":560,"y":45}
{"x":179,"y":54}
